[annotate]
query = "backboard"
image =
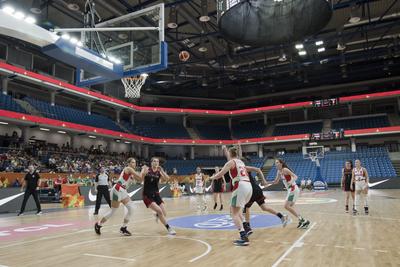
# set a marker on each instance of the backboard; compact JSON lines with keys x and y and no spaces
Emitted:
{"x":313,"y":152}
{"x":135,"y":40}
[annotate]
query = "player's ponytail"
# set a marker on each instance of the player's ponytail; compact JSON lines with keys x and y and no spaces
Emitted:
{"x":284,"y":164}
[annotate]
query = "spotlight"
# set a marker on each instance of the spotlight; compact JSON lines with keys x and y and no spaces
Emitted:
{"x":172,"y":21}
{"x":66,"y":36}
{"x":318,"y":43}
{"x":30,"y":20}
{"x":35,"y":8}
{"x":302,"y":53}
{"x":73,"y":40}
{"x":321,"y":49}
{"x":8,"y":9}
{"x":204,"y":12}
{"x":19,"y":15}
{"x":299,"y":46}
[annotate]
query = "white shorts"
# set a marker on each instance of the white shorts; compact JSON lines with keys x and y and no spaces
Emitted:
{"x":119,"y":195}
{"x":361,"y":185}
{"x":241,"y":195}
{"x":293,"y":195}
{"x":199,"y":190}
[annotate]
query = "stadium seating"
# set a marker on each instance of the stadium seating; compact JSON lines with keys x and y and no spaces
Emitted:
{"x":289,"y":129}
{"x":8,"y":103}
{"x":361,"y":123}
{"x":157,"y":130}
{"x":248,"y":130}
{"x":376,"y":160}
{"x":214,"y":132}
{"x":186,"y":167}
{"x":73,"y":115}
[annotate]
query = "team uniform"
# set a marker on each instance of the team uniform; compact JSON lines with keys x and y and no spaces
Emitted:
{"x":150,"y":189}
{"x":242,"y":189}
{"x":119,"y":190}
{"x":293,"y":190}
{"x":217,"y":186}
{"x":360,"y":179}
{"x":257,"y":195}
{"x":347,"y":180}
{"x":199,"y":188}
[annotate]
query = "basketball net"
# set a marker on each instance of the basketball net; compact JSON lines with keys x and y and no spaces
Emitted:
{"x":133,"y":85}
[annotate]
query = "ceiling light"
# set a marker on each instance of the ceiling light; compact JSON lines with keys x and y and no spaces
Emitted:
{"x":73,"y":7}
{"x":4,"y":123}
{"x":172,"y":20}
{"x":44,"y":129}
{"x":299,"y":46}
{"x":302,"y":53}
{"x":318,"y":43}
{"x":30,"y":20}
{"x":35,"y":8}
{"x":204,"y":11}
{"x":321,"y":49}
{"x":145,"y":75}
{"x":66,"y":36}
{"x":61,"y":132}
{"x":282,"y":58}
{"x":117,"y":140}
{"x":73,"y":40}
{"x":79,"y":43}
{"x":204,"y":18}
{"x":8,"y":9}
{"x":19,"y":15}
{"x":127,"y":142}
{"x":340,"y":47}
{"x":92,"y":136}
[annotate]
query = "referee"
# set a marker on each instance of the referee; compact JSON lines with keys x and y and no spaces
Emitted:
{"x":102,"y":184}
{"x":31,"y":183}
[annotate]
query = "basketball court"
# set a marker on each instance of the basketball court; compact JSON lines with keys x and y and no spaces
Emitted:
{"x":204,"y":239}
{"x":311,"y":83}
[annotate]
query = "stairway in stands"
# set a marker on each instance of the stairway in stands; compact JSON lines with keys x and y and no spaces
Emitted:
{"x":267,"y":167}
{"x":28,"y":107}
{"x":395,"y":158}
{"x":193,"y":133}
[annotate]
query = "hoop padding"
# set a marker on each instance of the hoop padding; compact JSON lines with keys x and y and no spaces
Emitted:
{"x":133,"y":85}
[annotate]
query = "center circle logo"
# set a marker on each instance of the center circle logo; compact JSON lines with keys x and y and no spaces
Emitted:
{"x":223,"y":222}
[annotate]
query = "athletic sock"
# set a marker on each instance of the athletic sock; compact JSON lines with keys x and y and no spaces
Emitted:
{"x":279,"y":215}
{"x":125,"y":224}
{"x":300,"y":218}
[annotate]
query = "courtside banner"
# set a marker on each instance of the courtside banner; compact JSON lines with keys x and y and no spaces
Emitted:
{"x":11,"y":200}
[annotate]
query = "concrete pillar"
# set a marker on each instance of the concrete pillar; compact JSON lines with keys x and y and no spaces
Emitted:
{"x":89,"y":107}
{"x":118,"y":115}
{"x":305,"y":114}
{"x":398,"y":104}
{"x":185,"y":121}
{"x":74,"y":141}
{"x":230,"y":123}
{"x":109,"y":144}
{"x":52,"y":98}
{"x":25,"y":134}
{"x":260,"y":151}
{"x":139,"y":150}
{"x":4,"y":85}
{"x":192,"y":152}
{"x":353,"y":145}
{"x":265,"y":118}
{"x":146,"y":151}
{"x":350,"y":108}
{"x":133,"y":118}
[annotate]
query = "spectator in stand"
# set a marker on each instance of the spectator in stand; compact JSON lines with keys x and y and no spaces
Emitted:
{"x":16,"y":183}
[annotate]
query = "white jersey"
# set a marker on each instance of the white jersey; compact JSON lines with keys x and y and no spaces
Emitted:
{"x":359,"y":174}
{"x":238,"y":172}
{"x":198,"y":179}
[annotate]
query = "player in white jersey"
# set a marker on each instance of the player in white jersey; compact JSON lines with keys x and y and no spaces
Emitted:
{"x":199,"y":189}
{"x":119,"y":195}
{"x":289,"y":180}
{"x":360,"y":180}
{"x":241,"y":193}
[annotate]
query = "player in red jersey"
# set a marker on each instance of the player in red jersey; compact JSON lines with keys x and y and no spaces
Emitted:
{"x":151,"y":193}
{"x":119,"y":195}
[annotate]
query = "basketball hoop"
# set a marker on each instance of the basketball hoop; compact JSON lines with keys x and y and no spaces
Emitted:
{"x":133,"y":85}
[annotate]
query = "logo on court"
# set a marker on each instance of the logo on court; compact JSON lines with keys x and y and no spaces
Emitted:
{"x":223,"y":222}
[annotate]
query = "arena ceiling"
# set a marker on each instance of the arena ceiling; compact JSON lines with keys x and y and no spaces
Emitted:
{"x":231,"y":75}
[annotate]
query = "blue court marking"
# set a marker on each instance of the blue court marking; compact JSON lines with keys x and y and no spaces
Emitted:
{"x":223,"y":222}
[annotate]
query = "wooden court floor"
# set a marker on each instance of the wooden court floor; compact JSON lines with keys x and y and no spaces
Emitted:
{"x":66,"y":238}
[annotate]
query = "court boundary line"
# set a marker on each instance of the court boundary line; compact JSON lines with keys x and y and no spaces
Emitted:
{"x":296,"y":243}
{"x":209,"y":247}
{"x":109,"y":257}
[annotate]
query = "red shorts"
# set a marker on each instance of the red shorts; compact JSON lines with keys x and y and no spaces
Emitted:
{"x":150,"y":198}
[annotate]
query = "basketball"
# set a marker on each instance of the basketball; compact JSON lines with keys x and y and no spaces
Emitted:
{"x":184,"y":56}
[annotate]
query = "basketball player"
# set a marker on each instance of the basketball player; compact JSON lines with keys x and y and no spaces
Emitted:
{"x":259,"y":198}
{"x":120,"y":195}
{"x":151,"y":193}
{"x":199,"y":185}
{"x":241,"y":193}
{"x":218,"y":188}
{"x":293,"y":191}
{"x":347,"y":174}
{"x":360,"y":180}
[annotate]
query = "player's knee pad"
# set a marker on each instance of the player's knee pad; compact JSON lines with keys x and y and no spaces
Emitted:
{"x":129,"y":207}
{"x":110,"y":213}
